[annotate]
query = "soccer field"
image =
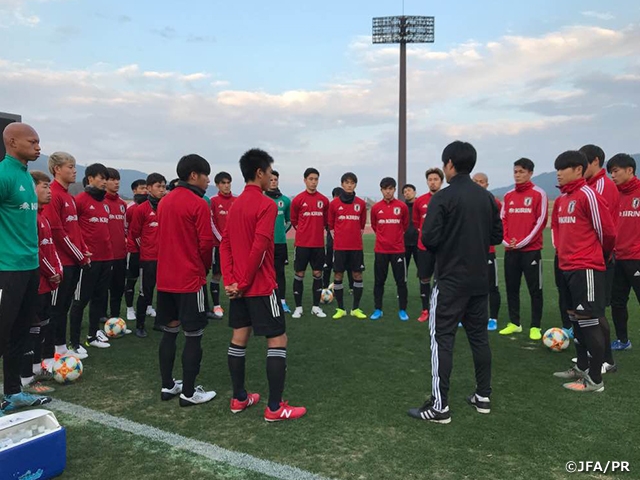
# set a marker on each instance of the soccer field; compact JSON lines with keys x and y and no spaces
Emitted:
{"x":357,"y":378}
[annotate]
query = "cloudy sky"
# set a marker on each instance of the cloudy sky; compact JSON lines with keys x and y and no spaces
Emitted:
{"x":139,"y":84}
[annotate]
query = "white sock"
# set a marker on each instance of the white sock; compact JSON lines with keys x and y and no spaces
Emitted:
{"x":36,"y":368}
{"x":26,"y":381}
{"x":61,"y":349}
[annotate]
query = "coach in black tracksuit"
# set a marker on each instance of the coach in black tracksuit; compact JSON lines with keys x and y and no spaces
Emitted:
{"x":461,"y":223}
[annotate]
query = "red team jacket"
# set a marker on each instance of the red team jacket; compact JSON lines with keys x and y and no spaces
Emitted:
{"x":605,"y":187}
{"x":524,"y":215}
{"x":63,"y":218}
{"x":582,"y":228}
{"x":492,"y":248}
{"x":117,"y":213}
{"x":185,"y":253}
{"x":220,"y":206}
{"x":93,"y":218}
{"x":247,"y":248}
{"x":628,"y":213}
{"x":50,"y":264}
{"x":389,"y":221}
{"x":419,"y":214}
{"x":309,"y":212}
{"x":347,"y":221}
{"x":143,"y":231}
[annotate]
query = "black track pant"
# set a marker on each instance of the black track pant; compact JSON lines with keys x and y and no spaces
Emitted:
{"x":148,"y":271}
{"x":562,"y":300}
{"x":281,"y":259}
{"x":517,"y":263}
{"x":627,"y":277}
{"x":116,"y":288}
{"x":494,"y":290}
{"x":92,"y":287}
{"x":61,"y":300}
{"x":381,"y":270}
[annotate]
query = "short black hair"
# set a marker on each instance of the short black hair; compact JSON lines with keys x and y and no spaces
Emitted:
{"x":113,"y":173}
{"x":221,"y":176}
{"x":336,"y":192}
{"x":349,"y":176}
{"x":192,"y":163}
{"x":137,"y":183}
{"x":462,"y":155}
{"x":571,"y":159}
{"x":275,"y":172}
{"x":409,"y":185}
{"x":524,"y":163}
{"x":592,"y":152}
{"x":96,"y":169}
{"x":387,"y":182}
{"x":172,"y":184}
{"x":154,"y":178}
{"x":434,"y":171}
{"x":621,"y":160}
{"x":310,"y":171}
{"x":252,"y":161}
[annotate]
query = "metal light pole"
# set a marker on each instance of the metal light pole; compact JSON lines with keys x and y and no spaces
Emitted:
{"x":403,"y":30}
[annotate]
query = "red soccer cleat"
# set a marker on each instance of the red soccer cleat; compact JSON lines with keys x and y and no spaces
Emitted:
{"x":285,"y":412}
{"x":238,"y":406}
{"x":424,"y":316}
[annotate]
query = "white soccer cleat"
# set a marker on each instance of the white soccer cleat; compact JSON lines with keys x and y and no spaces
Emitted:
{"x":100,"y":335}
{"x":317,"y":311}
{"x":169,"y":393}
{"x":151,"y":312}
{"x":297,"y":313}
{"x":131,"y":313}
{"x":80,"y":353}
{"x":98,"y":344}
{"x":199,"y":396}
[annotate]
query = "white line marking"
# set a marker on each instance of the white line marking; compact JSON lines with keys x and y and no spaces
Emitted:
{"x":207,"y":450}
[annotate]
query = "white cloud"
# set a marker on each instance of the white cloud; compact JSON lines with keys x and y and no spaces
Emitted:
{"x":598,"y":15}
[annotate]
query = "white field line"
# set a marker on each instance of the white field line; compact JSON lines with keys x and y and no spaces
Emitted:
{"x":207,"y":450}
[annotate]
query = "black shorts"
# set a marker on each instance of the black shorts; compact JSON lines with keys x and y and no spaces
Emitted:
{"x":263,"y":314}
{"x":188,"y":308}
{"x":585,"y":292}
{"x":43,"y":309}
{"x":281,"y":254}
{"x":303,"y":256}
{"x":348,"y":261}
{"x":133,"y":265}
{"x":426,"y":263}
{"x":216,"y":268}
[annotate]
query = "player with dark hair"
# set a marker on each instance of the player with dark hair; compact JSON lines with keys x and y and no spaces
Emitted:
{"x":309,"y":217}
{"x":139,"y":190}
{"x":143,"y":232}
{"x":622,"y":168}
{"x":184,"y":219}
{"x":462,"y":221}
{"x":426,"y":261}
{"x":93,"y":219}
{"x":247,"y":254}
{"x":220,"y":206}
{"x":282,"y":226}
{"x":389,"y":221}
{"x":524,"y":216}
{"x":347,"y":219}
{"x":411,"y":235}
{"x":584,"y":235}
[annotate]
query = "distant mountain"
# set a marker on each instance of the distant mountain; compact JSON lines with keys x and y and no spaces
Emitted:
{"x":547,"y":181}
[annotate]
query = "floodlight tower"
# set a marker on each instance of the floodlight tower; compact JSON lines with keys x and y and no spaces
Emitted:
{"x":403,"y":30}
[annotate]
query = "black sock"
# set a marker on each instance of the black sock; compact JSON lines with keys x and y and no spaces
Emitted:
{"x":214,"y":287}
{"x":39,"y":343}
{"x":141,"y":311}
{"x":326,"y":278}
{"x":594,"y":339}
{"x":317,"y":290}
{"x":26,"y":369}
{"x":128,"y":292}
{"x":581,"y":346}
{"x":425,"y":294}
{"x":338,"y":293}
{"x":276,"y":371}
{"x":606,"y":331}
{"x":236,"y":360}
{"x":191,"y":358}
{"x":358,"y":287}
{"x":298,"y":288}
{"x":167,"y":355}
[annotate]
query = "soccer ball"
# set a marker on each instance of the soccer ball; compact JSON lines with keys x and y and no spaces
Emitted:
{"x":326,"y":296}
{"x":67,"y":369}
{"x":115,"y":327}
{"x":555,"y":339}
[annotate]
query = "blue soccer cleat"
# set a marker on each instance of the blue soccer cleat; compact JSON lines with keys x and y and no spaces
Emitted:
{"x":492,"y":325}
{"x":376,"y":315}
{"x":22,"y":400}
{"x":568,"y":332}
{"x":285,"y":307}
{"x":402,"y":314}
{"x":618,"y":345}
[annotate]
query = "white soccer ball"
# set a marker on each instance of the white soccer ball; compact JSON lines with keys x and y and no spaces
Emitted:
{"x":67,"y":369}
{"x":555,"y":339}
{"x":326,"y":296}
{"x":115,"y":327}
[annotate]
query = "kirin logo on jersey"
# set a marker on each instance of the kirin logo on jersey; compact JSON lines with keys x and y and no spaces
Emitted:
{"x":71,"y":218}
{"x":527,"y":201}
{"x":572,"y":206}
{"x":356,"y":207}
{"x":636,"y":203}
{"x":396,"y":211}
{"x":153,"y":224}
{"x":46,"y":241}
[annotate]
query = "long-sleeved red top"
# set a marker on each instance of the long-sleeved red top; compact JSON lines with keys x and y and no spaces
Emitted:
{"x":419,"y":213}
{"x":185,"y":253}
{"x":347,"y":221}
{"x":389,"y":221}
{"x":582,"y":228}
{"x":63,"y":218}
{"x":220,"y":206}
{"x":117,"y":220}
{"x":246,"y":251}
{"x":628,"y":227}
{"x":605,"y":187}
{"x":93,"y":218}
{"x":524,"y":215}
{"x":309,"y":216}
{"x":143,"y":231}
{"x":50,"y":263}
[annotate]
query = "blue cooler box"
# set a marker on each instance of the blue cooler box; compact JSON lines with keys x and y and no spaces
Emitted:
{"x":33,"y":446}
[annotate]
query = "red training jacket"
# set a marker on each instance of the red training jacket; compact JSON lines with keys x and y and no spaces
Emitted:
{"x":309,"y":217}
{"x":389,"y":221}
{"x":143,"y":231}
{"x":117,"y":227}
{"x":347,"y":221}
{"x":628,"y":239}
{"x":63,"y":218}
{"x":93,"y":218}
{"x":419,"y":214}
{"x":605,"y":187}
{"x":246,"y":251}
{"x":524,"y":215}
{"x":50,"y":263}
{"x":582,"y":228}
{"x":185,"y":253}
{"x":492,"y":248}
{"x":220,"y":206}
